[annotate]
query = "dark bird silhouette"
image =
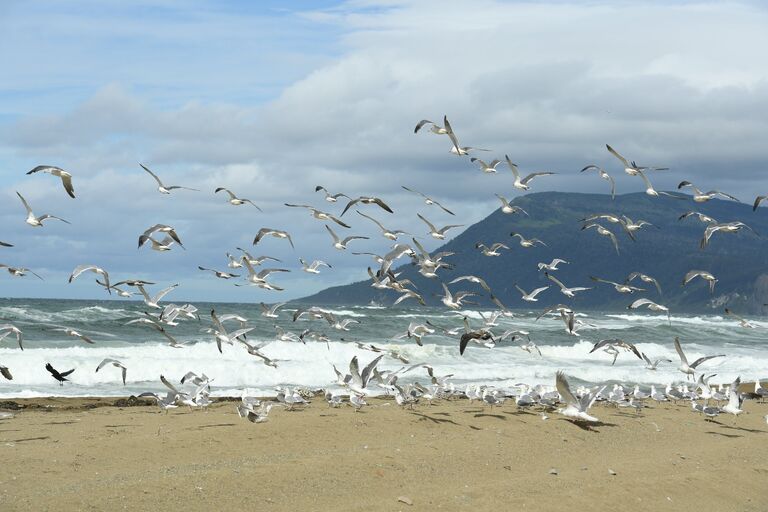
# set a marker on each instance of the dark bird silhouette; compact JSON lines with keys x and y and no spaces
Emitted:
{"x":59,"y":376}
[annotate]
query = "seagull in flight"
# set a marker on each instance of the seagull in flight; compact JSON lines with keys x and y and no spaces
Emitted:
{"x":367,"y":200}
{"x":702,"y":197}
{"x":8,"y":329}
{"x":75,"y":334}
{"x":92,"y":268}
{"x":531,"y":297}
{"x":692,"y":274}
{"x":652,"y":306}
{"x":726,"y":227}
{"x":438,"y":234}
{"x":331,"y":198}
{"x":340,"y":244}
{"x":632,"y":168}
{"x":234,"y":200}
{"x":319,"y":214}
{"x":160,"y":228}
{"x":601,"y":230}
{"x":274,"y":233}
{"x":165,"y":189}
{"x":522,"y":184}
{"x":219,"y":273}
{"x":601,"y":172}
{"x":651,"y":365}
{"x":576,"y":409}
{"x":619,"y":287}
{"x":311,"y":268}
{"x":37,"y":221}
{"x":66,"y":178}
{"x":153,"y":302}
{"x":509,"y":208}
{"x":552,"y":266}
{"x":743,"y":322}
{"x":689,"y":369}
{"x":389,"y":234}
{"x":19,"y":271}
{"x":527,"y":242}
{"x":568,"y":292}
{"x":428,"y":200}
{"x":487,"y":168}
{"x":115,"y":363}
{"x":644,"y":278}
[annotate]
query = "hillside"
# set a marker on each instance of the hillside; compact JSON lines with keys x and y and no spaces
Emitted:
{"x":667,"y":251}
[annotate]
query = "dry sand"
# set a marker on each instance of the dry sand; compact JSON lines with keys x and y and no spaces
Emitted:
{"x":66,"y":454}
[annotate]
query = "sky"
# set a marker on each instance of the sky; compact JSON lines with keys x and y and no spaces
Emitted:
{"x":270,"y":99}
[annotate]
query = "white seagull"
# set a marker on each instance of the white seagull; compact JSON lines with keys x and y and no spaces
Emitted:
{"x":438,"y":234}
{"x":165,"y":189}
{"x":234,"y":200}
{"x":115,"y":363}
{"x":37,"y":221}
{"x":576,"y":409}
{"x":66,"y":178}
{"x":522,"y":184}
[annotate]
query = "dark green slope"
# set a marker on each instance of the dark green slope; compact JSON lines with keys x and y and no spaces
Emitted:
{"x":666,"y":252}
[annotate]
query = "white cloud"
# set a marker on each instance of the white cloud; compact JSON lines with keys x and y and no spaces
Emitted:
{"x":549,"y":84}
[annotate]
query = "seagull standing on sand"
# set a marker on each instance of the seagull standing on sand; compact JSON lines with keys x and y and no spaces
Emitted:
{"x":165,"y":189}
{"x":37,"y":221}
{"x":66,"y":178}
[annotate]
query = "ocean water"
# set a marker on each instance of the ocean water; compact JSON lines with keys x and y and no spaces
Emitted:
{"x":144,"y":351}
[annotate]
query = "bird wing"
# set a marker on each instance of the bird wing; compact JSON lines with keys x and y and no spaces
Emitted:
{"x":349,"y":205}
{"x":371,"y":219}
{"x":231,"y":195}
{"x":24,"y":201}
{"x":382,"y":204}
{"x":169,"y":385}
{"x":702,"y":359}
{"x":555,"y":280}
{"x":528,"y":178}
{"x":614,"y":153}
{"x":564,"y":389}
{"x":680,"y":352}
{"x":66,"y":180}
{"x":421,"y":124}
{"x":335,"y":237}
{"x":163,"y":293}
{"x":367,"y":371}
{"x":512,"y":167}
{"x":431,"y":226}
{"x":155,"y":176}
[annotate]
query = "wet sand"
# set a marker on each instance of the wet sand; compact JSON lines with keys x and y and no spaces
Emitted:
{"x":75,"y":454}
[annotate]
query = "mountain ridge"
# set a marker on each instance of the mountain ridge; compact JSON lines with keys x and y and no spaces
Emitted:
{"x":666,"y":250}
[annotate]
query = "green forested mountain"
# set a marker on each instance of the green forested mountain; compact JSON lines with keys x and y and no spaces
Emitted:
{"x":666,"y":251}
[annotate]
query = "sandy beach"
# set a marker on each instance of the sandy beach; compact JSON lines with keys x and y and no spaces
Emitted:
{"x":87,"y":454}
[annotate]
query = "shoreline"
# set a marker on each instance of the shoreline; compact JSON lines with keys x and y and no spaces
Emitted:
{"x":86,"y":453}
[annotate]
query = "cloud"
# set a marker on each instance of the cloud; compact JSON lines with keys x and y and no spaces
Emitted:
{"x":547,"y":83}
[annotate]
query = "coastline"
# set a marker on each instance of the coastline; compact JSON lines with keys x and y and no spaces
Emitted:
{"x":78,"y":454}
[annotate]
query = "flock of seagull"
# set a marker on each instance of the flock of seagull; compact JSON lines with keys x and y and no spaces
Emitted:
{"x":354,"y":386}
